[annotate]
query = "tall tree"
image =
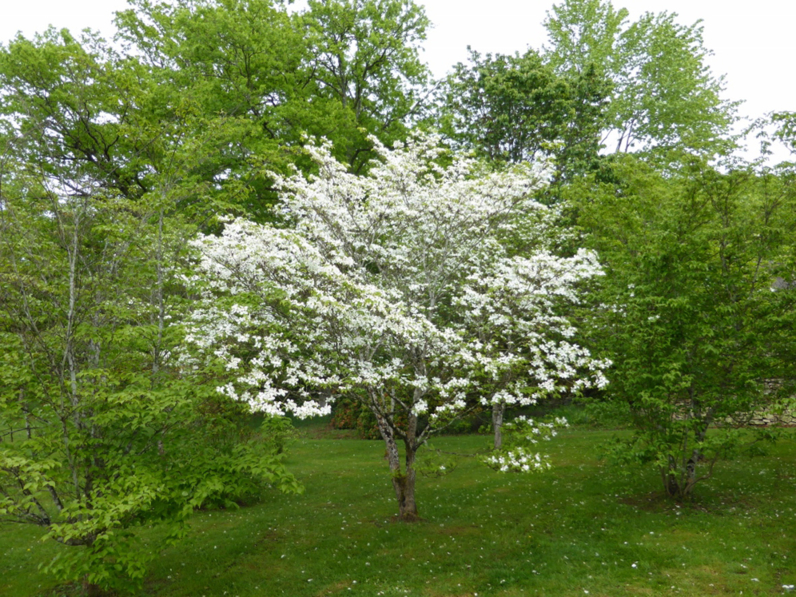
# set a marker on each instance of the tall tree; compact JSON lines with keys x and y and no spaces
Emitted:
{"x":364,"y":54}
{"x":69,"y":101}
{"x":664,"y":95}
{"x":255,"y":78}
{"x":514,"y":108}
{"x":228,"y":78}
{"x":100,"y":431}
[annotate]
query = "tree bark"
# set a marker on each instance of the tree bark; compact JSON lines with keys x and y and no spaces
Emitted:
{"x":497,"y":424}
{"x":403,"y":482}
{"x":92,"y":590}
{"x":404,"y":485}
{"x":669,"y":478}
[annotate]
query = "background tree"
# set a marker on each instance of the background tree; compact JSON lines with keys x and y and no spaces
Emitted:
{"x":75,"y":105}
{"x":364,"y":54}
{"x":246,"y":80}
{"x":68,"y":102}
{"x":515,"y":108}
{"x":228,"y":77}
{"x":100,"y":433}
{"x":664,"y":96}
{"x":693,"y":316}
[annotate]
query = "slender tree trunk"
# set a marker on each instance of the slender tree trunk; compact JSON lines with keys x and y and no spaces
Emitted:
{"x":92,"y":590}
{"x":69,"y":357}
{"x":161,"y":305}
{"x":26,"y":412}
{"x":696,"y":456}
{"x":403,"y":482}
{"x":669,"y":478}
{"x":497,"y":424}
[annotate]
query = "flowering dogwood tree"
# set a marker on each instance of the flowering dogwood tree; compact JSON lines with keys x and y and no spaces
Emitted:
{"x":396,"y":289}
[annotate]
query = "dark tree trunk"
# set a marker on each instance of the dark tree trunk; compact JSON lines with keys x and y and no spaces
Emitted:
{"x":92,"y":590}
{"x":669,"y":478}
{"x":404,"y":485}
{"x":89,"y":588}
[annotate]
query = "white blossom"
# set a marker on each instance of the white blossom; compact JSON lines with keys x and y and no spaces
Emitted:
{"x":395,"y":288}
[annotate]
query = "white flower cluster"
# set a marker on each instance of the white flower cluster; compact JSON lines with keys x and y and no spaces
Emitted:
{"x":396,"y":288}
{"x":522,"y":435}
{"x":518,"y":305}
{"x":517,"y":461}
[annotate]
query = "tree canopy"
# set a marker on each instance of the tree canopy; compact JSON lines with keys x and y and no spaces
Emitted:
{"x":664,"y":95}
{"x":697,"y":306}
{"x":394,"y":289}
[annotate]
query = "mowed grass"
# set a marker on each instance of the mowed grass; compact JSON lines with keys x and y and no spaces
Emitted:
{"x":583,"y":528}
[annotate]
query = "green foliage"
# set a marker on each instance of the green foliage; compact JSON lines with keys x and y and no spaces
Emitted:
{"x":349,"y":413}
{"x":102,"y":432}
{"x":278,"y":432}
{"x":607,"y":414}
{"x":110,"y":160}
{"x":225,"y":80}
{"x":432,"y":462}
{"x":215,"y":94}
{"x":512,"y":108}
{"x":663,"y":95}
{"x":693,"y":310}
{"x":364,"y":59}
{"x":69,"y":101}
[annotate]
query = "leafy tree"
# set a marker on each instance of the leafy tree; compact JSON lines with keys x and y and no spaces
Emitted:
{"x":664,"y":96}
{"x":514,"y":108}
{"x":785,"y":130}
{"x":74,"y":105}
{"x":364,"y":55}
{"x":226,"y":80}
{"x":223,"y":91}
{"x":101,"y":432}
{"x":395,"y":290}
{"x":246,"y":81}
{"x":695,"y":315}
{"x":70,"y":101}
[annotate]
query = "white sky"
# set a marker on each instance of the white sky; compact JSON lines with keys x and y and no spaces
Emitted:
{"x":753,"y":42}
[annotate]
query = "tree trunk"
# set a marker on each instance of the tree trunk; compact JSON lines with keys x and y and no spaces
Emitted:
{"x":497,"y":424}
{"x":404,"y":485}
{"x":696,"y":454}
{"x":402,"y":482}
{"x":670,"y":481}
{"x":92,"y":590}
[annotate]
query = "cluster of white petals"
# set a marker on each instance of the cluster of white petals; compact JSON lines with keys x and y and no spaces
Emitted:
{"x":395,"y":288}
{"x":517,"y":461}
{"x":522,"y":435}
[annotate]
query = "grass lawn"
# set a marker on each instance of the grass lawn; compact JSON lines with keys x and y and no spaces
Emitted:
{"x":579,"y":529}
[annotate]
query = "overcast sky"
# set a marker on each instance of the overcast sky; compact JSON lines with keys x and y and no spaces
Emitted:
{"x":753,"y":42}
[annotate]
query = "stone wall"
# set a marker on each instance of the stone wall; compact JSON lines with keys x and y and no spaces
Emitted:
{"x":764,"y":419}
